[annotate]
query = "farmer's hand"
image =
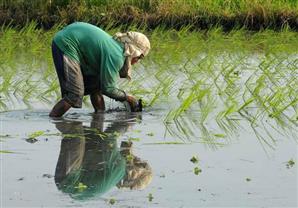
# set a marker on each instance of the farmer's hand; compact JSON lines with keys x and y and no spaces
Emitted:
{"x":132,"y":101}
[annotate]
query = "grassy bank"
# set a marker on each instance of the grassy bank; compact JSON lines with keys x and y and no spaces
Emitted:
{"x":200,"y":14}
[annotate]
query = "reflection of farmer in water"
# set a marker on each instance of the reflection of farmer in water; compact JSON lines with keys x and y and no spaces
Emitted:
{"x":90,"y":162}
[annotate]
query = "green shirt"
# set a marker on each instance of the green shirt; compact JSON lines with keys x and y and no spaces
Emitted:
{"x":97,"y":52}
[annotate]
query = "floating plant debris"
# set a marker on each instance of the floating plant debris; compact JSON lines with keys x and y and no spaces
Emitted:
{"x":112,"y":201}
{"x":194,"y":159}
{"x":197,"y":170}
{"x":290,"y":163}
{"x":150,"y":197}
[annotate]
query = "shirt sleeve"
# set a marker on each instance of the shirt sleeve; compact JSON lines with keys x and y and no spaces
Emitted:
{"x":108,"y":80}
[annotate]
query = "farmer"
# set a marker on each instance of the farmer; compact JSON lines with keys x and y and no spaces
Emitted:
{"x":88,"y":61}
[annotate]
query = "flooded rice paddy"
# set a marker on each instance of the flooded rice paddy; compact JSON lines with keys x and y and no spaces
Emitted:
{"x":219,"y":128}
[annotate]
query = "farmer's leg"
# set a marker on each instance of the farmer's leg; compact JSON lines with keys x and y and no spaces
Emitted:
{"x":71,"y":82}
{"x":60,"y":108}
{"x":97,"y":101}
{"x":91,"y":86}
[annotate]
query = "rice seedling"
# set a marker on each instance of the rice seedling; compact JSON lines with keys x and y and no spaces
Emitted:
{"x":211,"y":84}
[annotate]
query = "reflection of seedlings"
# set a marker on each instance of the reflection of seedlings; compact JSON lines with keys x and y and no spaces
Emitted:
{"x":138,"y":120}
{"x":116,"y":134}
{"x":46,"y":175}
{"x":162,"y":176}
{"x":100,"y":135}
{"x":36,"y":134}
{"x":150,"y":197}
{"x":197,"y":170}
{"x":150,"y":134}
{"x":220,"y":135}
{"x":194,"y":159}
{"x":111,"y":145}
{"x":134,"y":139}
{"x":5,"y":151}
{"x":112,"y":201}
{"x":31,"y":140}
{"x":166,"y":143}
{"x":81,"y":187}
{"x":290,"y":163}
{"x":75,"y":136}
{"x":4,"y":136}
{"x":248,"y":179}
{"x":96,"y":132}
{"x":32,"y":137}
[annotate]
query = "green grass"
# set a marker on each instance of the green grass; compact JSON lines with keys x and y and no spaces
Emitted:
{"x":208,"y":84}
{"x":201,"y":14}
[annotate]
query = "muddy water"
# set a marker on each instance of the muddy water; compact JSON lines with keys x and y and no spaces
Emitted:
{"x":77,"y":162}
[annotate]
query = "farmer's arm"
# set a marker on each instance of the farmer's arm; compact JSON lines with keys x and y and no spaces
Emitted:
{"x":108,"y":87}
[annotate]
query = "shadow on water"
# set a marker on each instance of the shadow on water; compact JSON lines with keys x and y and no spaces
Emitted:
{"x":90,"y":162}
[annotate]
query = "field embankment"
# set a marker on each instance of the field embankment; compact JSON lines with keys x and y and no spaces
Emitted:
{"x":203,"y":14}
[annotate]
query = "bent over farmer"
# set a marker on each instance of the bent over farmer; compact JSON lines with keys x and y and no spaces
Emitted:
{"x":88,"y":61}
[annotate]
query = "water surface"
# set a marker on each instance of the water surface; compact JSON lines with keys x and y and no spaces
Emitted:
{"x":242,"y":172}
